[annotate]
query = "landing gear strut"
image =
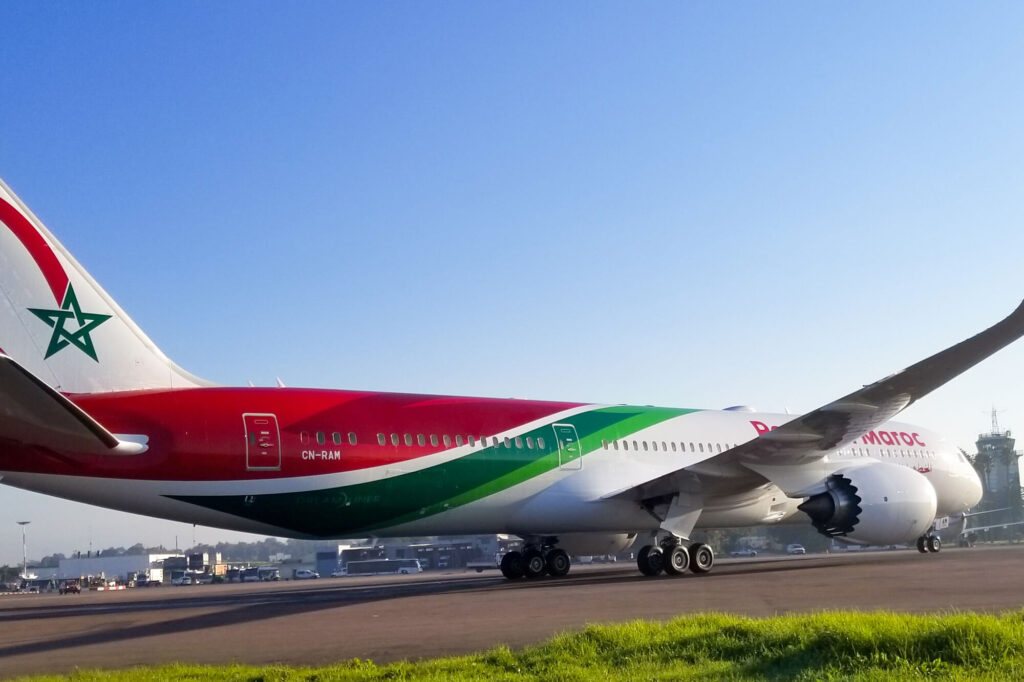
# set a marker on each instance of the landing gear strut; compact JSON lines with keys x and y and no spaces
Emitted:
{"x":674,"y":558}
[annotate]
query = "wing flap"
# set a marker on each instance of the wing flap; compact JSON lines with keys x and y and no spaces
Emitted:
{"x":34,"y":414}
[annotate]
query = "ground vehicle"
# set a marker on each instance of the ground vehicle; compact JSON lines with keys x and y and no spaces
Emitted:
{"x":377,"y":566}
{"x":305,"y":574}
{"x":795,"y":549}
{"x":249,"y":575}
{"x":268,"y":574}
{"x":70,"y":587}
{"x":340,"y":573}
{"x":745,"y":551}
{"x":183,"y":579}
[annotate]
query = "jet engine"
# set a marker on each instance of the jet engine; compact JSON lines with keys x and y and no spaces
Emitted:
{"x":875,"y":503}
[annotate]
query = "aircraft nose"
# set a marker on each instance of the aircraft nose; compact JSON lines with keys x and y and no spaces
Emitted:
{"x":973,"y":490}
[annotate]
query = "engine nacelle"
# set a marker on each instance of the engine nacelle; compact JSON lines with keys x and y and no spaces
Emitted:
{"x":875,"y":503}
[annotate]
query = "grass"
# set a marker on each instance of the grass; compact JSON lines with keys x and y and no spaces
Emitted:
{"x":824,"y":646}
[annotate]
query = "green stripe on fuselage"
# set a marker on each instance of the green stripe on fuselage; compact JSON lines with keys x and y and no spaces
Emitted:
{"x":403,"y":497}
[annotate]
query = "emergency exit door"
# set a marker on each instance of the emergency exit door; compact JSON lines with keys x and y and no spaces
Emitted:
{"x":262,"y":442}
{"x":569,"y":454}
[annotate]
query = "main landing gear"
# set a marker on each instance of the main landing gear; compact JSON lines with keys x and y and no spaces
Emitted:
{"x":536,"y":561}
{"x":674,"y":558}
{"x":929,"y":543}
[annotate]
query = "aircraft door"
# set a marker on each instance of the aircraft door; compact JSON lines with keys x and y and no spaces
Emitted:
{"x":262,"y":442}
{"x":569,"y":454}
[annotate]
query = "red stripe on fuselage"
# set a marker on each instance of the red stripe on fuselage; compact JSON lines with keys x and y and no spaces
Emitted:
{"x":198,"y":434}
{"x":37,"y":247}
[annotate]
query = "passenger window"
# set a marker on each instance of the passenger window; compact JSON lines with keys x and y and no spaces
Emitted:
{"x":420,"y":440}
{"x":664,"y":446}
{"x":381,"y":440}
{"x":321,"y":437}
{"x":352,"y":440}
{"x":472,"y":442}
{"x":447,"y":441}
{"x":394,"y":439}
{"x":604,"y":444}
{"x":673,"y":446}
{"x":336,"y":437}
{"x":625,"y":445}
{"x":615,"y":444}
{"x":529,"y":443}
{"x":408,"y":439}
{"x":494,"y":441}
{"x":506,"y":443}
{"x":519,"y":443}
{"x":304,"y":437}
{"x":693,"y":449}
{"x":701,"y":447}
{"x":635,"y":446}
{"x":719,"y":446}
{"x":433,"y":439}
{"x":458,"y":441}
{"x":645,"y":446}
{"x":540,"y":442}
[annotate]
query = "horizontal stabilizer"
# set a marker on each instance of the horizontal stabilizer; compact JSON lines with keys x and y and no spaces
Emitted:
{"x":33,"y":414}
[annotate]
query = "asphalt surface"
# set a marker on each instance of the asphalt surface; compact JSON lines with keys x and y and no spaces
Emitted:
{"x":390,"y":618}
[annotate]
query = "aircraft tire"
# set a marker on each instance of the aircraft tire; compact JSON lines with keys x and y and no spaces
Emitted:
{"x":650,"y":560}
{"x":934,"y":544}
{"x":558,"y":563}
{"x":922,"y":545}
{"x":702,"y":557}
{"x":677,"y":560}
{"x":512,"y":565}
{"x":534,"y":565}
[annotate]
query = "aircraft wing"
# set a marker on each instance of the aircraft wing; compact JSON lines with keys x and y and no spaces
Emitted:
{"x":811,"y":436}
{"x":33,"y":414}
{"x":782,"y":454}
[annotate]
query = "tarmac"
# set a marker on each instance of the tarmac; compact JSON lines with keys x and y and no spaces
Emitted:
{"x":384,"y":619}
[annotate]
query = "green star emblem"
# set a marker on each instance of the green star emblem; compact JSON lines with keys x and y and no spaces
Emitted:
{"x":61,"y":337}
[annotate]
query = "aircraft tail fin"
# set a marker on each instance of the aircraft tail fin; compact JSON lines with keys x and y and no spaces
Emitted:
{"x":60,"y":325}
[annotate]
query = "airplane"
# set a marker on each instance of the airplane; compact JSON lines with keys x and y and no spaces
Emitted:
{"x":91,"y":410}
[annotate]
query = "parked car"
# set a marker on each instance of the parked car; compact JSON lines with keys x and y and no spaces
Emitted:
{"x":306,"y":574}
{"x":182,"y":580}
{"x":744,"y":551}
{"x":795,"y":549}
{"x":70,"y":587}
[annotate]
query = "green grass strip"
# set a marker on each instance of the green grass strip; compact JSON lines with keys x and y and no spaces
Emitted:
{"x":823,"y":646}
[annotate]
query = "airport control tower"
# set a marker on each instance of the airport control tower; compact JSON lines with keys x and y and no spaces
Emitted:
{"x":997,"y":465}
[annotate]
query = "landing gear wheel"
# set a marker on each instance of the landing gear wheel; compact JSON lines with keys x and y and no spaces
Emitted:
{"x":512,"y":565}
{"x":677,"y":560}
{"x":702,"y":558}
{"x":922,"y":545}
{"x":558,"y":562}
{"x":533,"y":564}
{"x":650,"y":560}
{"x":934,"y":544}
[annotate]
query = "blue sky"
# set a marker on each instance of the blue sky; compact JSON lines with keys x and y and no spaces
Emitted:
{"x":688,"y":204}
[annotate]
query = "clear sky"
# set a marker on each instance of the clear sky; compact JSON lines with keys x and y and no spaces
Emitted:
{"x":690,"y":204}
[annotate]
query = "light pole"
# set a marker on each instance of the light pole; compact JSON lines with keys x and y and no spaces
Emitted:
{"x":24,"y":550}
